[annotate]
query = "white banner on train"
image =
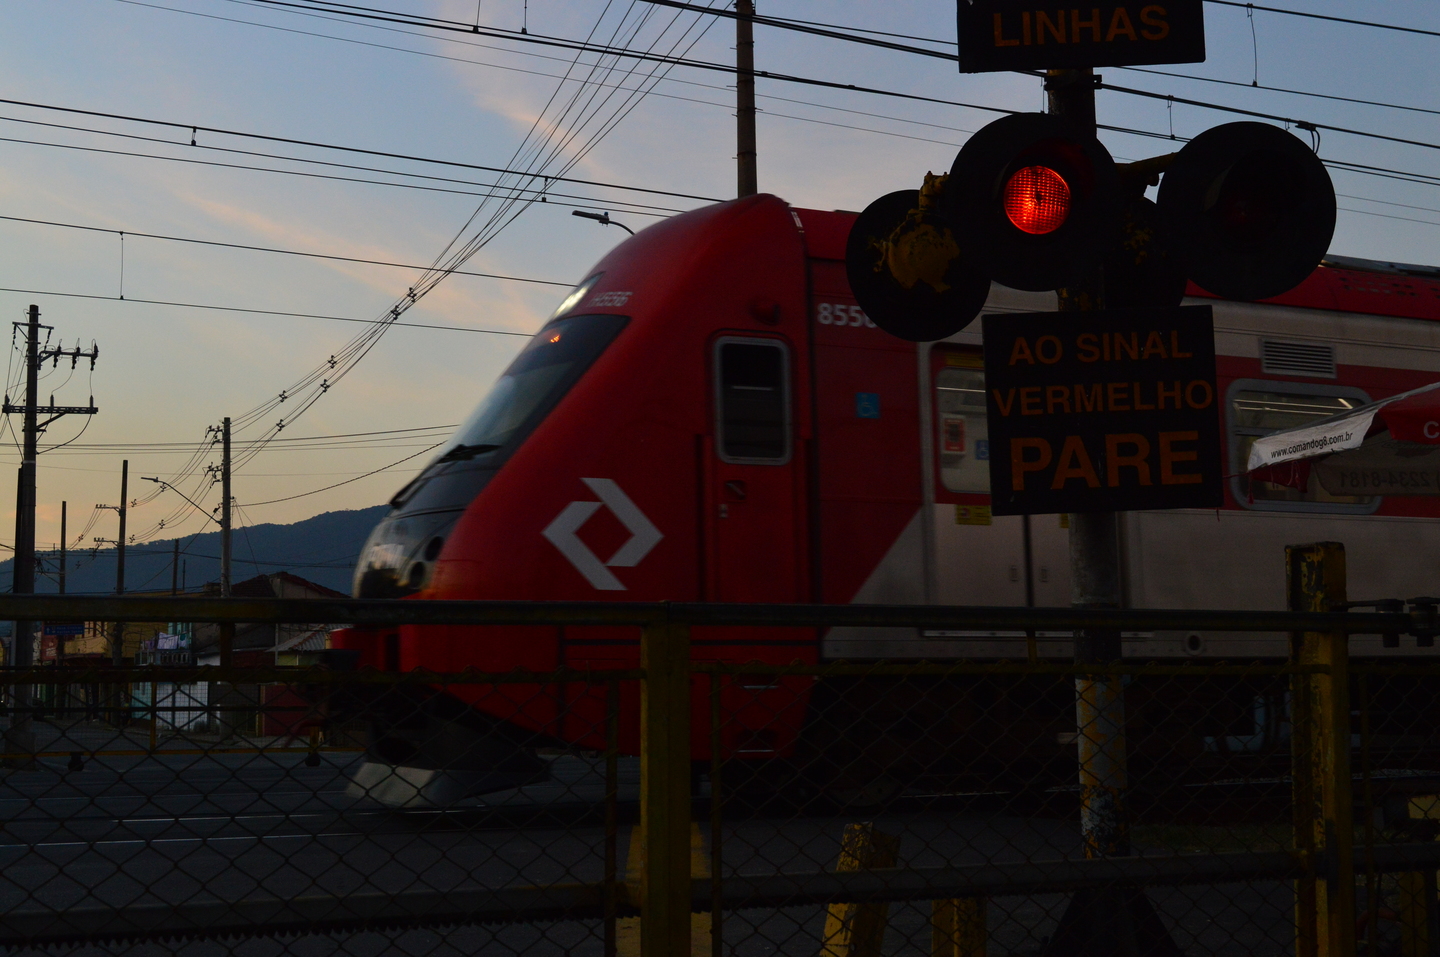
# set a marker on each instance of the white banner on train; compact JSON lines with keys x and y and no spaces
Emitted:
{"x":1334,"y":435}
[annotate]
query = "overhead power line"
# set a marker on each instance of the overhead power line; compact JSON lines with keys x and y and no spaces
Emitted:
{"x":191,"y":161}
{"x":260,"y":312}
{"x":369,"y":13}
{"x":272,"y":249}
{"x":1239,"y":111}
{"x":290,"y":141}
{"x":533,"y":54}
{"x":1322,"y":16}
{"x":1382,"y":172}
{"x":1280,"y":89}
{"x":278,"y":440}
{"x":357,"y":478}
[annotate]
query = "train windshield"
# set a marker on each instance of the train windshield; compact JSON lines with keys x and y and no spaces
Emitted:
{"x":532,"y":385}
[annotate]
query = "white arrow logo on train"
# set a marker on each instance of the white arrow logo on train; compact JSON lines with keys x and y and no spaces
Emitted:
{"x":562,"y":533}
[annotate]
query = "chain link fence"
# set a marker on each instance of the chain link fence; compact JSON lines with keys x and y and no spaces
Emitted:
{"x":699,"y":800}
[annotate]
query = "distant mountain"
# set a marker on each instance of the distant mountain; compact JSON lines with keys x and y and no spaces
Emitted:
{"x":323,"y":549}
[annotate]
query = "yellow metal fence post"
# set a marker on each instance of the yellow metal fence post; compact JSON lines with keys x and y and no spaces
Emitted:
{"x":1417,"y":909}
{"x":858,"y":930}
{"x":1320,"y":746}
{"x":957,"y":927}
{"x":665,"y":789}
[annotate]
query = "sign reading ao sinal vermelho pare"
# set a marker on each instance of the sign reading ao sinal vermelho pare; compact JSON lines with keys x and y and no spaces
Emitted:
{"x":1102,"y":411}
{"x":1034,"y":34}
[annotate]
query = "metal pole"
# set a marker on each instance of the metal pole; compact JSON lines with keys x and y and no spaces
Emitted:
{"x":1095,"y":574}
{"x":1032,"y":647}
{"x":1099,"y":699}
{"x":1120,"y":919}
{"x":1320,"y":750}
{"x":665,"y":790}
{"x":746,"y":175}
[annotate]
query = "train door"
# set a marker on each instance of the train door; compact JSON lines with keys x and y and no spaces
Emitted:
{"x":756,"y":545}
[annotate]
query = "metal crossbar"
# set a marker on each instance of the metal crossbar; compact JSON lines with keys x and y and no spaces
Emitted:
{"x":416,"y":612}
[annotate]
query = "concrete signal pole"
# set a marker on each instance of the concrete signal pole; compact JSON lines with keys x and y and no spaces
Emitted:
{"x":745,"y":98}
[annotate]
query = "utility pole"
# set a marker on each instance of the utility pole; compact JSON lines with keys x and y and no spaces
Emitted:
{"x":25,"y":518}
{"x":30,"y":409}
{"x":117,"y":642}
{"x":225,"y":508}
{"x":60,"y":635}
{"x":63,"y":507}
{"x":175,"y":570}
{"x":745,"y":98}
{"x":227,"y":629}
{"x":120,"y":543}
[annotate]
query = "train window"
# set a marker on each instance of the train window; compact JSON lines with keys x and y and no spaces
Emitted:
{"x":752,"y":401}
{"x":532,"y":384}
{"x":1258,"y":407}
{"x":962,"y":436}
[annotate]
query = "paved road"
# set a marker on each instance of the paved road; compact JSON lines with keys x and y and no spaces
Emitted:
{"x":176,"y":829}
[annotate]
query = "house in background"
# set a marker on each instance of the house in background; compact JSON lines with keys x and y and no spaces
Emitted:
{"x":260,"y":645}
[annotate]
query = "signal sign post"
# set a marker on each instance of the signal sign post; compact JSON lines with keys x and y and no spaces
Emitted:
{"x":1034,"y":201}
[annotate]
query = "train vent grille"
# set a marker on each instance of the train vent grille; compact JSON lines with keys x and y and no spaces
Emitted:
{"x":1297,"y":358}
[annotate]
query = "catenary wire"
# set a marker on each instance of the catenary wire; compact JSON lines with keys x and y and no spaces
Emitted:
{"x":1381,"y":172}
{"x":1279,"y":89}
{"x":272,"y":249}
{"x":311,"y":161}
{"x":1333,"y":19}
{"x":325,"y":176}
{"x":357,"y":478}
{"x":259,"y":312}
{"x":707,"y":65}
{"x":354,"y":356}
{"x":290,"y":141}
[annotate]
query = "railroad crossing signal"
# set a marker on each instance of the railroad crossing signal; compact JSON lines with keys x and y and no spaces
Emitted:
{"x":1245,"y":210}
{"x":1249,"y":208}
{"x":1028,"y":200}
{"x":905,"y":268}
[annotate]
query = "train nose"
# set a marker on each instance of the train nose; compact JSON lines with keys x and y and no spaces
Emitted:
{"x":398,"y":558}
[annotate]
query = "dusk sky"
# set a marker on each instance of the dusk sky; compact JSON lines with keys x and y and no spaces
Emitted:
{"x":167,"y":372}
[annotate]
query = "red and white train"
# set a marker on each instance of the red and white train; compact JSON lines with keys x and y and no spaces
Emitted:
{"x":709,"y":416}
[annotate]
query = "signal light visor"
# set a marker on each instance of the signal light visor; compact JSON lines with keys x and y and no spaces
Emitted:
{"x":1037,"y":200}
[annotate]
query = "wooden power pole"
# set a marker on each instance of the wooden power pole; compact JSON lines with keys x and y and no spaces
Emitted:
{"x":745,"y":98}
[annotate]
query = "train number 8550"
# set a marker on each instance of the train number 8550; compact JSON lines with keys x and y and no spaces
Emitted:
{"x":839,"y":314}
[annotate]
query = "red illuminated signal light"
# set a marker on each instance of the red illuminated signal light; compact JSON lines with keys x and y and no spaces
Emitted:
{"x":1037,"y":200}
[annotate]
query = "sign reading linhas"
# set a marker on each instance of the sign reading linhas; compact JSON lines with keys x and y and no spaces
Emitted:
{"x":1102,"y":411}
{"x":1000,"y":35}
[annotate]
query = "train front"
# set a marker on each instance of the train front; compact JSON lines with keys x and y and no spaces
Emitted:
{"x":574,"y":479}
